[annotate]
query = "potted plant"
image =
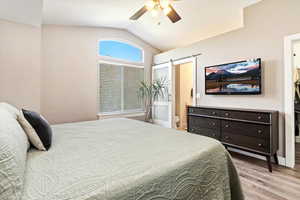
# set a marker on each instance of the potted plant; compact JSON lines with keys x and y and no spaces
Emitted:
{"x":149,"y":92}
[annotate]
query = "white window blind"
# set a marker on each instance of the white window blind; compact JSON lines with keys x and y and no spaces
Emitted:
{"x":118,"y":88}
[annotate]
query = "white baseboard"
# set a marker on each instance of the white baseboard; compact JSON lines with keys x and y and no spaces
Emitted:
{"x":281,"y":160}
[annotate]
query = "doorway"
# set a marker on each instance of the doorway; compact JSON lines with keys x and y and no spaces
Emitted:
{"x":184,"y":91}
{"x":291,"y":76}
{"x":164,"y":109}
{"x":296,"y":64}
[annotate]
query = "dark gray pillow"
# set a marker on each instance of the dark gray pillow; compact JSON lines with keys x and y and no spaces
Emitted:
{"x":41,"y":126}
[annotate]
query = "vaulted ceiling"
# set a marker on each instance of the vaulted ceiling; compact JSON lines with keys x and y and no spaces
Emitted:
{"x":200,"y":18}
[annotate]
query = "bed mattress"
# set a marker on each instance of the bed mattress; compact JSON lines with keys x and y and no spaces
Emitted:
{"x":122,"y":159}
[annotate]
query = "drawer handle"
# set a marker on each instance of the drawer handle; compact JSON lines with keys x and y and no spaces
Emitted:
{"x":213,"y":124}
{"x":226,"y":126}
{"x":214,"y":113}
{"x":192,"y":129}
{"x":227,"y":114}
{"x":260,"y":145}
{"x":259,"y":117}
{"x":260,"y":131}
{"x":227,"y":137}
{"x":214,"y":135}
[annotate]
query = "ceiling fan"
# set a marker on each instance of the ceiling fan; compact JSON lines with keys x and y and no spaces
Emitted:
{"x":156,"y":6}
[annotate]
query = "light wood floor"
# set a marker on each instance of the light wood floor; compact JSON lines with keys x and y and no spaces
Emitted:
{"x":259,"y":184}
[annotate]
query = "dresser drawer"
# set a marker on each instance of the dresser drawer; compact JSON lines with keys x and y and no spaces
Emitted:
{"x":205,"y":132}
{"x":247,"y":129}
{"x":202,"y":122}
{"x":251,"y":116}
{"x":202,"y":111}
{"x":246,"y":141}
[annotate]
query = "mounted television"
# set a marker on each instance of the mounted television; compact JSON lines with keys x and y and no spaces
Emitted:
{"x":237,"y":78}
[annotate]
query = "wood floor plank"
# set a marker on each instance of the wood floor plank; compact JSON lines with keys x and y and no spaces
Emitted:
{"x":258,"y":192}
{"x":259,"y":184}
{"x":271,"y":183}
{"x":275,"y":176}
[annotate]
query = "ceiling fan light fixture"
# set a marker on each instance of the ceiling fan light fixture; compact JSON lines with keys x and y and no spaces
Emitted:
{"x":164,"y":3}
{"x":167,"y":10}
{"x":150,"y":5}
{"x":154,"y":12}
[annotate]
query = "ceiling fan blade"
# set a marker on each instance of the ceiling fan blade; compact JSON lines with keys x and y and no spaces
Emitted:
{"x":139,"y":13}
{"x":173,"y":15}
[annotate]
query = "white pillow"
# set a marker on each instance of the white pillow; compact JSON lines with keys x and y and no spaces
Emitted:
{"x":13,"y":155}
{"x":33,"y":137}
{"x":11,"y":109}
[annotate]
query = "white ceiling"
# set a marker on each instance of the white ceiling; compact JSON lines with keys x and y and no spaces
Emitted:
{"x":201,"y":18}
{"x":22,"y":11}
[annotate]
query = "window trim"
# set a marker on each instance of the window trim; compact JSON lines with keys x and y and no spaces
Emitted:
{"x":120,"y":64}
{"x":128,"y":112}
{"x":118,"y":59}
{"x":136,"y":114}
{"x":98,"y":89}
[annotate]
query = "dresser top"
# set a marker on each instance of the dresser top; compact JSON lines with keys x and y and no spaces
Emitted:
{"x":235,"y":109}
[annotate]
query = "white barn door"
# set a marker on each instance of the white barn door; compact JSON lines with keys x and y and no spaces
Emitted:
{"x":162,"y":107}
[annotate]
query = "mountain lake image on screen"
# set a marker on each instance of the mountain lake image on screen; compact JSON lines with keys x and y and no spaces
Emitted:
{"x":234,"y":78}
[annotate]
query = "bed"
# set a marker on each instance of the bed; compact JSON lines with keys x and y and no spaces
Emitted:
{"x":123,"y":159}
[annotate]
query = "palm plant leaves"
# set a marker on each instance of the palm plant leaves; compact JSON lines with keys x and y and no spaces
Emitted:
{"x":151,"y":92}
{"x":159,"y":88}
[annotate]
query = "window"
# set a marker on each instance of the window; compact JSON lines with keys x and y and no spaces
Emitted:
{"x":119,"y":82}
{"x":118,"y":88}
{"x":121,"y":51}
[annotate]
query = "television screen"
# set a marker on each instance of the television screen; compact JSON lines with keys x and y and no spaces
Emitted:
{"x":234,"y":78}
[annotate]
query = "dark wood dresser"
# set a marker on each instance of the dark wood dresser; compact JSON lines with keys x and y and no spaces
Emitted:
{"x":254,"y":131}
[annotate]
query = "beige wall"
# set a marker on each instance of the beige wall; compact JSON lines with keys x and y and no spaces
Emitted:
{"x":20,"y":64}
{"x":69,"y":70}
{"x":266,"y":24}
